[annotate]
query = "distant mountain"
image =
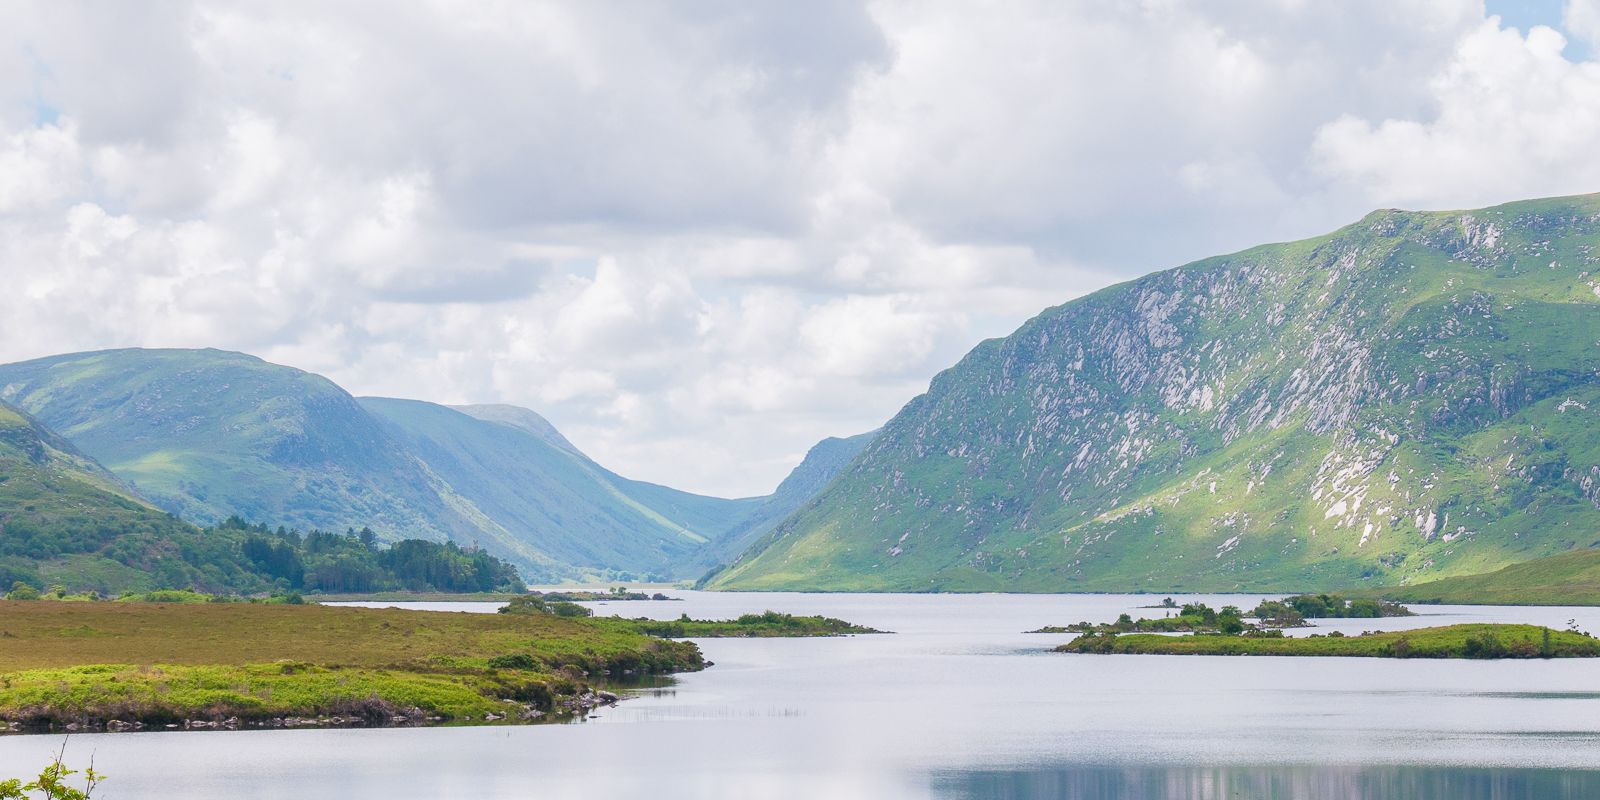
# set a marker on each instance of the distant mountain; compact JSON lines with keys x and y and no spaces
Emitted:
{"x":524,"y":476}
{"x":1414,"y":396}
{"x":207,"y":434}
{"x":822,"y":464}
{"x":521,"y":419}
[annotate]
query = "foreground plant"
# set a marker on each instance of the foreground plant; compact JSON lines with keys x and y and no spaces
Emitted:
{"x":53,"y":783}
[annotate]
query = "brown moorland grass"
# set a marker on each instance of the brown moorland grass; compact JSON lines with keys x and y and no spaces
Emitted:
{"x":88,"y":663}
{"x":35,"y":634}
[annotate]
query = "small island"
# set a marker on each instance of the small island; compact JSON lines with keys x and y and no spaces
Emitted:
{"x":1480,"y":641}
{"x":1290,"y":612}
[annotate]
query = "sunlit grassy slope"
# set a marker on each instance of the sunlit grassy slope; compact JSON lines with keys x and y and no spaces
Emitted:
{"x":1411,"y":397}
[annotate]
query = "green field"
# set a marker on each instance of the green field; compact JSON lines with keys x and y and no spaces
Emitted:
{"x":1452,"y":641}
{"x":1568,"y":579}
{"x":89,"y":663}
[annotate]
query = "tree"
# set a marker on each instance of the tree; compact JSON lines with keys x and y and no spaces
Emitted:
{"x":22,"y":591}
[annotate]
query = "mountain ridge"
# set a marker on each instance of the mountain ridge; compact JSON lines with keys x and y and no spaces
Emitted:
{"x":1360,"y":399}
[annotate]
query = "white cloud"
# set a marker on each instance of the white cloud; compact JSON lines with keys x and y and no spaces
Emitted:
{"x":702,"y":237}
{"x":1581,"y":18}
{"x":1514,"y":119}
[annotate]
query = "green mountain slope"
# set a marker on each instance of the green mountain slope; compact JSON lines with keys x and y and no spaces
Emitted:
{"x":1411,"y":397}
{"x":528,"y":479}
{"x":1568,"y":579}
{"x":522,"y":419}
{"x":823,"y":462}
{"x":65,"y":519}
{"x":206,"y":434}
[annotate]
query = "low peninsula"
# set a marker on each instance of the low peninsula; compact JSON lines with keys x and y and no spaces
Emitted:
{"x":1479,"y":641}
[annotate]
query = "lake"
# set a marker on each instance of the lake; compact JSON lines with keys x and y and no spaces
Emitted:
{"x":958,"y":703}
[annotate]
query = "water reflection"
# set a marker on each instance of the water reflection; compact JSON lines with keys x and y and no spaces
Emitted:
{"x":1269,"y":783}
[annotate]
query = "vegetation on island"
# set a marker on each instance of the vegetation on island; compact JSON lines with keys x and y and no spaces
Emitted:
{"x":1567,"y":579}
{"x":616,"y":593}
{"x":120,"y":665}
{"x":1292,"y":612}
{"x":1478,"y":641}
{"x":188,"y":660}
{"x":1197,"y":617}
{"x":767,"y":624}
{"x":1190,"y":617}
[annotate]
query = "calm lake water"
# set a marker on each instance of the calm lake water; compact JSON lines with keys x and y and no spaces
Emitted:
{"x":957,"y":704}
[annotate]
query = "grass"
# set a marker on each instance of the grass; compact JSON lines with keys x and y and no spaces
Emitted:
{"x":155,"y":662}
{"x":1568,"y":579}
{"x":1451,"y":641}
{"x":1396,"y":402}
{"x":770,"y":624}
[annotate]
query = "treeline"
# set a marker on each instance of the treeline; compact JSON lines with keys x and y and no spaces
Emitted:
{"x":354,"y":562}
{"x":117,"y":556}
{"x":1294,"y":611}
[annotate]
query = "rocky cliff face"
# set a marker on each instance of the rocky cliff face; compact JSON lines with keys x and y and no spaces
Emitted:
{"x":1406,"y":398}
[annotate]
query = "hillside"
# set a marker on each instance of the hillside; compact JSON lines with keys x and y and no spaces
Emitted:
{"x":823,"y":462}
{"x":66,"y":521}
{"x":63,"y":518}
{"x":525,"y":480}
{"x":1567,"y":579}
{"x":207,"y":434}
{"x":1411,"y":397}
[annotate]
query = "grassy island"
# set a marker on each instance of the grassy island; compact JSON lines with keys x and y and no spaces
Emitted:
{"x":1290,"y":612}
{"x":120,"y":666}
{"x":1451,"y":641}
{"x":764,"y":625}
{"x":156,"y":664}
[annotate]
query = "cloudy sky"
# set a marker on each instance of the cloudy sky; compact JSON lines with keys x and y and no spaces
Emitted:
{"x":699,"y":236}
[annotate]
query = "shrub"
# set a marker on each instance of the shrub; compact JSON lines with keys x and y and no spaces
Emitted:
{"x":22,"y":591}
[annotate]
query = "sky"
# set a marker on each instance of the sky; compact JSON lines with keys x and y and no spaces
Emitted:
{"x":701,"y":236}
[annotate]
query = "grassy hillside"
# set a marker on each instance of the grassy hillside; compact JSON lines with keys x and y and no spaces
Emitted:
{"x":1411,"y":397}
{"x":823,"y":462}
{"x":206,"y":434}
{"x":579,"y":513}
{"x":67,"y":522}
{"x":1568,"y":579}
{"x":64,"y":519}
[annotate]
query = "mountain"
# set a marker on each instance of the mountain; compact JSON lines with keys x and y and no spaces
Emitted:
{"x":522,"y":419}
{"x":823,"y":462}
{"x":522,"y":474}
{"x":1411,"y":397}
{"x":207,"y":434}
